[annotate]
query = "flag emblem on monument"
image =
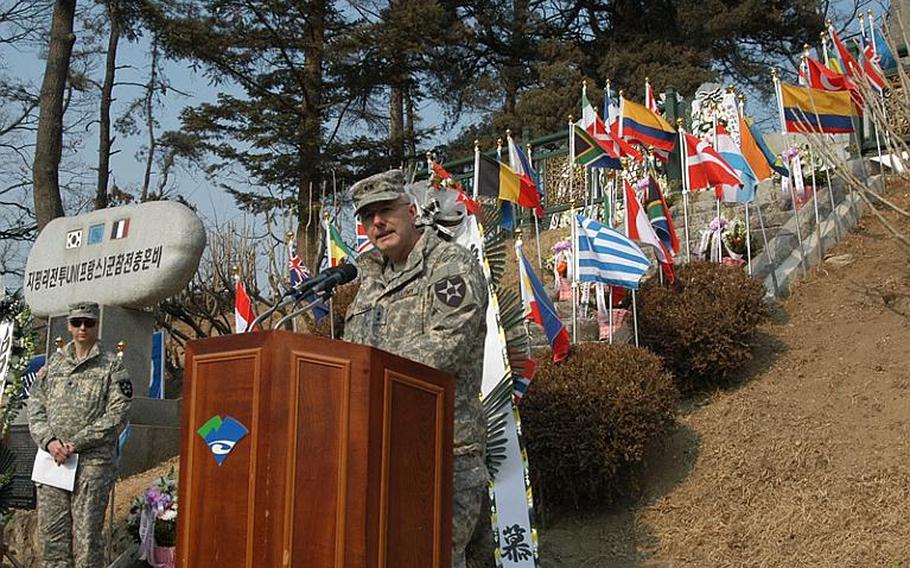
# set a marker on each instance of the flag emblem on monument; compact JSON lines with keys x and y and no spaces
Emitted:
{"x":95,"y":234}
{"x":74,"y":239}
{"x":120,"y":229}
{"x":222,"y":435}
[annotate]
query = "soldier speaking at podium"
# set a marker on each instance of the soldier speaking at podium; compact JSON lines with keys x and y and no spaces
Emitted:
{"x":425,"y":299}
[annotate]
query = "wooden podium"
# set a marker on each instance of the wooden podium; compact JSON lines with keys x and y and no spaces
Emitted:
{"x":347,"y":462}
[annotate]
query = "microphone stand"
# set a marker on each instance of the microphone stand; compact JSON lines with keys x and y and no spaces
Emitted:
{"x":299,"y":311}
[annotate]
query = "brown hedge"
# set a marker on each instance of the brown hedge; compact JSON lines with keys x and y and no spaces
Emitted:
{"x":702,"y":327}
{"x":589,"y":418}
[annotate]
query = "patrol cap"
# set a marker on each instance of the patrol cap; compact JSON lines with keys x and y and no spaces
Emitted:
{"x":88,"y":310}
{"x":380,"y":187}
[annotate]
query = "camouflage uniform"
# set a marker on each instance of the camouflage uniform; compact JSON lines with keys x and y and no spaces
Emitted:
{"x":433,"y":310}
{"x":83,"y":402}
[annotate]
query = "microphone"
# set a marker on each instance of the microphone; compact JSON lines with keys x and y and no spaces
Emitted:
{"x":335,"y":276}
{"x":325,"y":280}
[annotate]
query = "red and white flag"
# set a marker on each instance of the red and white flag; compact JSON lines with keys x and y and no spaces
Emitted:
{"x":705,"y":166}
{"x":243,"y":308}
{"x":650,"y":101}
{"x":639,"y":228}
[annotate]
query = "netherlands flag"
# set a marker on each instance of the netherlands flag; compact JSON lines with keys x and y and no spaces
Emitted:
{"x":539,"y":309}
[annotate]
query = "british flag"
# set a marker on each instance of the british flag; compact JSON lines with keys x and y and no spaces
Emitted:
{"x":362,"y":244}
{"x":298,"y":270}
{"x":299,"y":273}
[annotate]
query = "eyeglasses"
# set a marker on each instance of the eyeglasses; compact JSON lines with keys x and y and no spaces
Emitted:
{"x":83,"y":322}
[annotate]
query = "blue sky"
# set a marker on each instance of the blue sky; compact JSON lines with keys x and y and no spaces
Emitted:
{"x":127,"y":170}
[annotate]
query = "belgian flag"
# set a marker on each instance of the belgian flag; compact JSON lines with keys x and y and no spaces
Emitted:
{"x":497,"y":180}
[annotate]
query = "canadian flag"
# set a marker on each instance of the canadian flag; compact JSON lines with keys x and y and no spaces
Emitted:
{"x":243,"y":308}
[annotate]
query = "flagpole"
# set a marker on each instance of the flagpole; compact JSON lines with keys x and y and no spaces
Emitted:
{"x":818,"y":226}
{"x":634,"y":298}
{"x":717,"y":244}
{"x":610,"y":214}
{"x":574,"y":232}
{"x":534,"y":215}
{"x":837,"y":230}
{"x":683,"y":157}
{"x":892,"y":156}
{"x":783,"y":127}
{"x":328,"y":255}
{"x":878,"y":145}
{"x":476,"y":181}
{"x":740,"y":112}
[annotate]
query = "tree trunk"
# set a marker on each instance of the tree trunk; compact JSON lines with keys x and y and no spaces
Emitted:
{"x":396,"y":125}
{"x":150,"y":124}
{"x":104,"y":144}
{"x":49,"y":138}
{"x":409,"y":135}
{"x":310,"y":136}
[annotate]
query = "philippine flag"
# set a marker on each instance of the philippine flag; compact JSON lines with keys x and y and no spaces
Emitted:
{"x":540,"y":310}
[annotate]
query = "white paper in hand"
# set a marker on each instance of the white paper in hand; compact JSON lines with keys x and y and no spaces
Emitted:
{"x":47,"y":472}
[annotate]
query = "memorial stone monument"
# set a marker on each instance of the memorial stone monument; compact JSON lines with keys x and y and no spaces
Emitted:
{"x":127,"y":259}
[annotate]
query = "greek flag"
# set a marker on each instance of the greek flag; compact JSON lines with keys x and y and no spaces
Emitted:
{"x":608,"y":256}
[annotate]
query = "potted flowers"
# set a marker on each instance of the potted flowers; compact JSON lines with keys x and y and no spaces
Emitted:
{"x":152,"y":521}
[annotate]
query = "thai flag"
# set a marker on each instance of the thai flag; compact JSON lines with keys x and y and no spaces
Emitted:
{"x":539,"y":308}
{"x":362,"y":244}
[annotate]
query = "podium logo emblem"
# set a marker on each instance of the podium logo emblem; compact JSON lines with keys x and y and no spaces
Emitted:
{"x":221,"y":435}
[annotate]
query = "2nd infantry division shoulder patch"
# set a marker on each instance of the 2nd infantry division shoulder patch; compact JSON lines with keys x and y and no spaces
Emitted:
{"x":451,"y":291}
{"x":126,"y":388}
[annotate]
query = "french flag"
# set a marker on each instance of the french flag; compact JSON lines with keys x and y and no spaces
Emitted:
{"x":540,"y":310}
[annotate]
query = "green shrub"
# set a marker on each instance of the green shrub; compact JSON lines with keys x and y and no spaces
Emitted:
{"x":702,"y":326}
{"x":589,"y":418}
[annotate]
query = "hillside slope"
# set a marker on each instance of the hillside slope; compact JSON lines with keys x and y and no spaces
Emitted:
{"x":806,"y":460}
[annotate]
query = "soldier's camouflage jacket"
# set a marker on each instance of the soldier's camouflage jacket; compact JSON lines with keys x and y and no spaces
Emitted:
{"x":84,"y":402}
{"x":432,"y":311}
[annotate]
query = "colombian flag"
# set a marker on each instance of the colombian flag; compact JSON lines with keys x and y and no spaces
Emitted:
{"x":495,"y":179}
{"x":815,"y":110}
{"x":644,"y":126}
{"x":539,"y":308}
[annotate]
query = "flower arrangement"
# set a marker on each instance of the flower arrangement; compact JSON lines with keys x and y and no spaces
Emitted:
{"x":152,"y":519}
{"x":14,"y":309}
{"x":735,"y":237}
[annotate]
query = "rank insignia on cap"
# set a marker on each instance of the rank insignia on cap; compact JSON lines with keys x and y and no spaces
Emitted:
{"x":74,"y":239}
{"x":96,"y":234}
{"x":450,"y":291}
